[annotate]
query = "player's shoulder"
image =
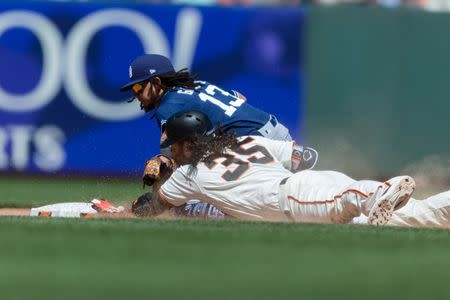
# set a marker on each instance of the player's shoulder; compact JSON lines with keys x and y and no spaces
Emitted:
{"x":175,"y":99}
{"x":169,"y":106}
{"x":201,"y":83}
{"x":178,"y":93}
{"x":179,"y":175}
{"x":186,"y":171}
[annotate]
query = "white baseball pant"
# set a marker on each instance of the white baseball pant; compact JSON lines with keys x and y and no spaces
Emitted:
{"x":326,"y":196}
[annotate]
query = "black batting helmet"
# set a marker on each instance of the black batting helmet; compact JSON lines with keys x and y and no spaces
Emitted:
{"x":185,"y":124}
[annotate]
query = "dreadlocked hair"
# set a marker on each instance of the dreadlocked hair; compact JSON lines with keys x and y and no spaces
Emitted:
{"x":206,"y":150}
{"x":171,"y":80}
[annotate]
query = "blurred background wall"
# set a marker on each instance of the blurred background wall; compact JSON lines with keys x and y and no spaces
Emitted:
{"x":379,"y":90}
{"x":62,"y":65}
{"x":365,"y":82}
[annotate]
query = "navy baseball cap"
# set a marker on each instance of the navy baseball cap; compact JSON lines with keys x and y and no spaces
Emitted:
{"x":146,"y":67}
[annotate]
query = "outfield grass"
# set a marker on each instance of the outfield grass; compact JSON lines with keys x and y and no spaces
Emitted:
{"x":154,"y":259}
{"x":16,"y":191}
{"x":145,"y":259}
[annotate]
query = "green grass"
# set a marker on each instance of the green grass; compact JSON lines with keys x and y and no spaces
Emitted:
{"x":19,"y":191}
{"x":145,"y":259}
{"x":152,"y":259}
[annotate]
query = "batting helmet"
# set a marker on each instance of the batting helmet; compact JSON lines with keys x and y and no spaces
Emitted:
{"x":186,"y":124}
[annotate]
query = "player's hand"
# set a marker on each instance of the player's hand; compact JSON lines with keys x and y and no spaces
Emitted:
{"x":157,"y":168}
{"x":149,"y":205}
{"x":141,"y":206}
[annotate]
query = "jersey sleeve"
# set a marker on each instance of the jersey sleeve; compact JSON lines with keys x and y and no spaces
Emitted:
{"x":180,"y":188}
{"x":282,"y":150}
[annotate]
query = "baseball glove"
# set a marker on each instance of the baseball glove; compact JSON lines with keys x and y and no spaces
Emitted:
{"x":156,"y":169}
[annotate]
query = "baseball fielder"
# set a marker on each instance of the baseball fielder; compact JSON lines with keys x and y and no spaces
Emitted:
{"x":158,"y":88}
{"x":246,"y":178}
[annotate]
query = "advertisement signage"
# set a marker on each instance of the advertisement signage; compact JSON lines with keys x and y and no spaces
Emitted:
{"x":63,"y":63}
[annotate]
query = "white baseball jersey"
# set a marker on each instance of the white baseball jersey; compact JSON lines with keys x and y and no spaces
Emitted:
{"x":247,"y":183}
{"x":244,"y":184}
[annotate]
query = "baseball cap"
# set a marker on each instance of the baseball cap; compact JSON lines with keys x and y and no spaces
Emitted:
{"x":146,"y":67}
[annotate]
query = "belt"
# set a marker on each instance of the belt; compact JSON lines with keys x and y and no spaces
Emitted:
{"x":268,"y":128}
{"x":273,"y":120}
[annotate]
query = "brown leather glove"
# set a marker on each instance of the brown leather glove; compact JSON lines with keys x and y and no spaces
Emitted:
{"x":157,"y":168}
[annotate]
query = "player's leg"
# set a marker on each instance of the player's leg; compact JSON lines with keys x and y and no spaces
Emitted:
{"x":391,"y":195}
{"x":199,"y":210}
{"x":375,"y":200}
{"x":315,"y":196}
{"x":432,"y":211}
{"x":310,"y":196}
{"x":327,"y":178}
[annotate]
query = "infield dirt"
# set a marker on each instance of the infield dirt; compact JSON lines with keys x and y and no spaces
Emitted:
{"x":25,"y":212}
{"x":15,"y":211}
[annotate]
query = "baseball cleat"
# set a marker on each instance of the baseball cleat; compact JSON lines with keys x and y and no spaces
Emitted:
{"x":391,"y":196}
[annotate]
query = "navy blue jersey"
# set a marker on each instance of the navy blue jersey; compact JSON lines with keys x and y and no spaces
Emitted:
{"x":223,"y":108}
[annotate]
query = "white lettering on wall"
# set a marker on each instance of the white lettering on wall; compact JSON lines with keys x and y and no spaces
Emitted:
{"x":48,"y":142}
{"x":20,"y":145}
{"x":3,"y":153}
{"x":50,"y":154}
{"x":65,"y":63}
{"x":187,"y":31}
{"x":51,"y":42}
{"x":154,"y":41}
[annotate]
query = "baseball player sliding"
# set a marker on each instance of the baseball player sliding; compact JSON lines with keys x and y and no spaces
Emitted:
{"x":246,"y":178}
{"x":158,"y":87}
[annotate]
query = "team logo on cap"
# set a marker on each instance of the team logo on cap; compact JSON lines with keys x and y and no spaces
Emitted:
{"x":130,"y":71}
{"x":152,"y":71}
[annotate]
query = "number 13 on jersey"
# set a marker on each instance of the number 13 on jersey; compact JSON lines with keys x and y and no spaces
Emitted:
{"x":227,"y":102}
